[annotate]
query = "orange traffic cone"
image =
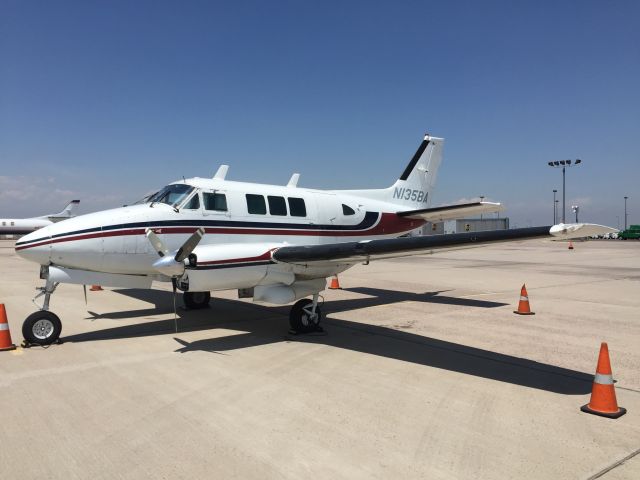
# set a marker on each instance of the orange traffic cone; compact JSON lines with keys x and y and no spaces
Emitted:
{"x":603,"y":394}
{"x":523,"y":306}
{"x":95,"y":288}
{"x":335,"y":283}
{"x":5,"y":334}
{"x":570,"y":245}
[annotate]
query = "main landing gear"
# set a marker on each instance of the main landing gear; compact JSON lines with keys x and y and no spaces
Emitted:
{"x":196,"y":300}
{"x":305,"y":316}
{"x":42,"y":327}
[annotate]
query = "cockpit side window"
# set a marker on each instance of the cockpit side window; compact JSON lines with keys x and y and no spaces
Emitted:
{"x":172,"y":194}
{"x":193,"y":203}
{"x":215,"y":201}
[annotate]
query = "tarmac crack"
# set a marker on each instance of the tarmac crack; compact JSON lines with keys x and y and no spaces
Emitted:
{"x":614,"y":465}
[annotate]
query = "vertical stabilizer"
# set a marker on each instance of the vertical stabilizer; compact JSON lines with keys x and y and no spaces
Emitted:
{"x":66,"y":213}
{"x":416,"y":184}
{"x":414,"y":187}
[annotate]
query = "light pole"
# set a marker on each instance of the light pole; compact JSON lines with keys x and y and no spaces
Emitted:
{"x":575,"y":209}
{"x":564,"y":164}
{"x":556,"y":210}
{"x":555,"y":217}
{"x":625,"y":212}
{"x":481,"y":199}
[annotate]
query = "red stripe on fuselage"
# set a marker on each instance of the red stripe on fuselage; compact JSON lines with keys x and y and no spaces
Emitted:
{"x":388,"y":224}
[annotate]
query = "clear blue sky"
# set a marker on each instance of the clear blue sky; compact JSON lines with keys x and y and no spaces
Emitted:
{"x":105,"y":101}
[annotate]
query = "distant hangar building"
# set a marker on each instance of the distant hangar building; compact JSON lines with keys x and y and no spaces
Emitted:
{"x":463,"y":225}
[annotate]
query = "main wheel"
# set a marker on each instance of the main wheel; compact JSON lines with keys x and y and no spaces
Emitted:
{"x":41,"y":328}
{"x":196,"y":300}
{"x":301,"y":319}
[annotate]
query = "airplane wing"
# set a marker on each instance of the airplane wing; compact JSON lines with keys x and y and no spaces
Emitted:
{"x":451,"y":212}
{"x":356,"y":252}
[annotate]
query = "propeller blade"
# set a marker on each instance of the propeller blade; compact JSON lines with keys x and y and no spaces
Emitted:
{"x":188,"y":246}
{"x":157,"y":244}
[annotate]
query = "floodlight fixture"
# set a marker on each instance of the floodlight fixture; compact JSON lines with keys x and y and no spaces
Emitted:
{"x":564,"y":164}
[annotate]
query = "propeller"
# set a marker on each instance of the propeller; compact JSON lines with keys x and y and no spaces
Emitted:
{"x":172,"y":264}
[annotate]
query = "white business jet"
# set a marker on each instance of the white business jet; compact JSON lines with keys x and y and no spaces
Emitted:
{"x":276,"y":244}
{"x":20,"y":226}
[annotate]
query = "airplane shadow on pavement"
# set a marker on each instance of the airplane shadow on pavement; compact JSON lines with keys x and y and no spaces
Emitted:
{"x":261,"y":325}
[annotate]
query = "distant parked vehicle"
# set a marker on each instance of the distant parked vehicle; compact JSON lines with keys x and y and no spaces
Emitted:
{"x":633,"y":232}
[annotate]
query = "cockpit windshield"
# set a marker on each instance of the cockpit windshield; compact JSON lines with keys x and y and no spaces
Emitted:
{"x":171,"y":195}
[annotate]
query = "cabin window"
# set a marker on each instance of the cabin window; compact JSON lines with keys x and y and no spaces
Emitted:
{"x":256,"y":204}
{"x":347,"y":210}
{"x":193,"y":203}
{"x":277,"y":206}
{"x":215,"y":201}
{"x":297,"y":207}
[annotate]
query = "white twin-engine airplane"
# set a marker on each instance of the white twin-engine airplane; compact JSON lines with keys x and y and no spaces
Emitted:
{"x":277,"y":244}
{"x":19,"y":226}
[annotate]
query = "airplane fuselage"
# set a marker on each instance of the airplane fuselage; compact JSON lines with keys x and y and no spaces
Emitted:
{"x":21,"y":226}
{"x":244,"y":220}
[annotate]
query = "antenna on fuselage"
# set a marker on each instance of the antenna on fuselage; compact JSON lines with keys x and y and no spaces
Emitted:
{"x":222,"y":172}
{"x":293,"y":181}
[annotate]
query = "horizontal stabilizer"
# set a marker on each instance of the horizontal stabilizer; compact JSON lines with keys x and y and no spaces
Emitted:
{"x":452,"y":212}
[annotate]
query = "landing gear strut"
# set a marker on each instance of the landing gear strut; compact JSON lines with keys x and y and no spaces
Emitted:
{"x":42,"y":327}
{"x":305,"y":316}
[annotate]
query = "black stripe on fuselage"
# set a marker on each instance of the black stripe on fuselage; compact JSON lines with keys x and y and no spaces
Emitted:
{"x":232,"y":265}
{"x":414,"y":160}
{"x":368,"y":221}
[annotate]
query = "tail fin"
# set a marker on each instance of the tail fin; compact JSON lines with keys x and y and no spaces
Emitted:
{"x":414,"y":188}
{"x":66,"y":213}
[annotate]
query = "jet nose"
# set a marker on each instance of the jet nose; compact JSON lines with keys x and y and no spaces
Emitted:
{"x":36,"y":246}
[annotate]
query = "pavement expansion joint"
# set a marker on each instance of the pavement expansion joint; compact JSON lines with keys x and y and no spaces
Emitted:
{"x":614,"y":465}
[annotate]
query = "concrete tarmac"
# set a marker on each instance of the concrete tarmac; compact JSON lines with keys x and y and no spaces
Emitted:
{"x":424,"y":372}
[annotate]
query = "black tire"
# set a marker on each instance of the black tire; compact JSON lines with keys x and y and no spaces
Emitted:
{"x":301,"y":321}
{"x":196,"y":300}
{"x":41,"y":328}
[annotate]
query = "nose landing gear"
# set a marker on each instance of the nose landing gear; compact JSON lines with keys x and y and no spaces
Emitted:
{"x":42,"y":327}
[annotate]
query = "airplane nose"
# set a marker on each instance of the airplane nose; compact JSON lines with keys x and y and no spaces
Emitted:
{"x":35,"y":247}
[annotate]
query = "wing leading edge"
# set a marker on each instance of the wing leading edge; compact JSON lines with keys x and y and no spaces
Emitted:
{"x":354,"y":252}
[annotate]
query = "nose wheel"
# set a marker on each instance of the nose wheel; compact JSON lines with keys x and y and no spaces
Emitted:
{"x":41,"y":328}
{"x":305,"y":316}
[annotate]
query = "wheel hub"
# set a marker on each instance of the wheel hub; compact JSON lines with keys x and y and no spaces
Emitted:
{"x":42,"y":329}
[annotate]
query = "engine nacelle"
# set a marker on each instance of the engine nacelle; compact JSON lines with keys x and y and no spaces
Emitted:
{"x":283,"y":294}
{"x":231,"y":266}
